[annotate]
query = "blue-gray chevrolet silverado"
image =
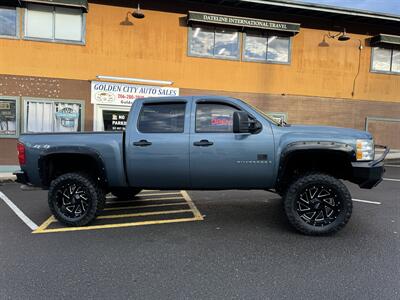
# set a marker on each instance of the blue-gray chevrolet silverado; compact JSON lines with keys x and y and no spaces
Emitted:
{"x":203,"y":143}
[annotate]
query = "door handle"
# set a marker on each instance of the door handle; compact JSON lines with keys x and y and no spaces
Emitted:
{"x":142,"y":143}
{"x":203,"y":143}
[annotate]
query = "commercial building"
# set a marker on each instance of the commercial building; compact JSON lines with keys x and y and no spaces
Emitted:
{"x":73,"y":65}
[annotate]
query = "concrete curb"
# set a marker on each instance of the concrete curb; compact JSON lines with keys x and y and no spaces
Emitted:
{"x":7,"y":177}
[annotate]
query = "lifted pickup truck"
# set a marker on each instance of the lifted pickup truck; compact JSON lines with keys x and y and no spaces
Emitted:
{"x":203,"y":143}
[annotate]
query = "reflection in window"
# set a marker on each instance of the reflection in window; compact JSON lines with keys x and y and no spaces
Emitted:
{"x":162,"y":118}
{"x":267,"y":48}
{"x":8,"y":21}
{"x":386,"y":60}
{"x":214,"y":42}
{"x":214,"y":117}
{"x":54,"y":23}
{"x":396,"y":61}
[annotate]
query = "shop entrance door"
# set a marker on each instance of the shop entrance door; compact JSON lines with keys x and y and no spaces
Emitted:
{"x":110,"y":117}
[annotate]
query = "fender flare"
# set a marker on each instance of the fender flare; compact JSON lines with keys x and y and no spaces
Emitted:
{"x":76,"y":150}
{"x":297,"y":147}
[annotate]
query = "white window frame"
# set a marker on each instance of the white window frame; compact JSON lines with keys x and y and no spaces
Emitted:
{"x":372,"y":70}
{"x":18,"y":17}
{"x":54,"y":40}
{"x":51,"y":100}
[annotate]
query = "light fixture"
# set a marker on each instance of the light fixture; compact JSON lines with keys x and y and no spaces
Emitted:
{"x":137,"y":13}
{"x":139,"y":80}
{"x":340,"y":36}
{"x":343,"y":37}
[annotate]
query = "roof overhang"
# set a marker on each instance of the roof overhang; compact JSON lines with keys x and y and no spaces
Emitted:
{"x":210,"y":18}
{"x":326,"y":8}
{"x":385,"y":40}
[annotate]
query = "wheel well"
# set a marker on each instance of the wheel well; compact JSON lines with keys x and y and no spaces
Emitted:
{"x":54,"y":165}
{"x":333,"y":162}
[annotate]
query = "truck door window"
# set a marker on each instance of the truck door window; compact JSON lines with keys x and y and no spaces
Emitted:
{"x":162,"y":118}
{"x":214,"y":117}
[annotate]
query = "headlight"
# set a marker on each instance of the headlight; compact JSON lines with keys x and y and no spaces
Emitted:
{"x":365,"y":150}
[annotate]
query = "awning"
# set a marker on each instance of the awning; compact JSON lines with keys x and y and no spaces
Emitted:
{"x":194,"y":16}
{"x":71,"y":3}
{"x":388,"y":40}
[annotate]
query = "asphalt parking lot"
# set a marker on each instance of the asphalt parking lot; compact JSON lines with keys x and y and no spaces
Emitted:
{"x":209,"y":245}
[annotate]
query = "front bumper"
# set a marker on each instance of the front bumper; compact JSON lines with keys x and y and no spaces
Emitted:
{"x":369,"y":174}
{"x":21,"y":177}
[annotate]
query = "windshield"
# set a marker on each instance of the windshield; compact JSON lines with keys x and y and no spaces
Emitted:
{"x":269,"y":118}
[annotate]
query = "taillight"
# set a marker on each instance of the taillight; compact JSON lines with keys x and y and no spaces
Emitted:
{"x":21,"y":153}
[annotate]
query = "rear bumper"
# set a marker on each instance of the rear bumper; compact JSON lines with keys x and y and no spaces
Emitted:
{"x":369,"y":174}
{"x":21,"y":177}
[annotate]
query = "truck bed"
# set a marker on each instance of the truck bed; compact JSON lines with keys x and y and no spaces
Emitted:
{"x":109,"y":146}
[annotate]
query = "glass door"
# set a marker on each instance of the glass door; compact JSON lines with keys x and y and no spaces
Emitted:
{"x":110,"y":117}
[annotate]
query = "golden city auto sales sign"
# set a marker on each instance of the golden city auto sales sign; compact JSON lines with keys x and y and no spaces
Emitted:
{"x":124,"y":94}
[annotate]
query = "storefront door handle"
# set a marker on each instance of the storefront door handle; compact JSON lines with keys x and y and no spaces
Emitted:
{"x":142,"y":143}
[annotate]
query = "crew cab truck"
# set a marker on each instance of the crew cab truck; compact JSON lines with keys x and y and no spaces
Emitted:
{"x":203,"y":143}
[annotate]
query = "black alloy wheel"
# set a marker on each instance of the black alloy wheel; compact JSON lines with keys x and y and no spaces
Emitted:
{"x":318,"y":204}
{"x":75,"y":199}
{"x":72,"y":200}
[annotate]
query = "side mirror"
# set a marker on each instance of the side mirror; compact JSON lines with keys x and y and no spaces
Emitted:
{"x":241,"y":122}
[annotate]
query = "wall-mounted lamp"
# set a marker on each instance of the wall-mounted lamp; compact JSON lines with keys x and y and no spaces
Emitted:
{"x":340,"y":36}
{"x":139,"y":80}
{"x":137,"y":13}
{"x":343,"y":37}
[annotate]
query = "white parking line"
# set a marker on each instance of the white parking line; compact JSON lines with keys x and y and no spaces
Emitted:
{"x":391,"y":179}
{"x":393,"y":166}
{"x":18,"y":212}
{"x":366,"y":201}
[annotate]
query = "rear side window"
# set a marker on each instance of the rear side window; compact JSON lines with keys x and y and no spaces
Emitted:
{"x":162,"y":118}
{"x":214,"y":117}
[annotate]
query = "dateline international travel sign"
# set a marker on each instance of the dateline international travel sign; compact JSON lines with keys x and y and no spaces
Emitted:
{"x":194,"y":16}
{"x":124,"y":94}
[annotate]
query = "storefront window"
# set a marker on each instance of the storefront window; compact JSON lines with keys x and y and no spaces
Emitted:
{"x":8,"y":117}
{"x":52,"y":116}
{"x":115,"y":120}
{"x":8,"y":21}
{"x":266,"y":48}
{"x":54,"y":23}
{"x":214,"y":42}
{"x":386,"y":60}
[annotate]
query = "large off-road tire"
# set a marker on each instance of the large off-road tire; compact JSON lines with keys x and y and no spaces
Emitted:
{"x":75,"y":199}
{"x":126,"y":195}
{"x":318,"y":204}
